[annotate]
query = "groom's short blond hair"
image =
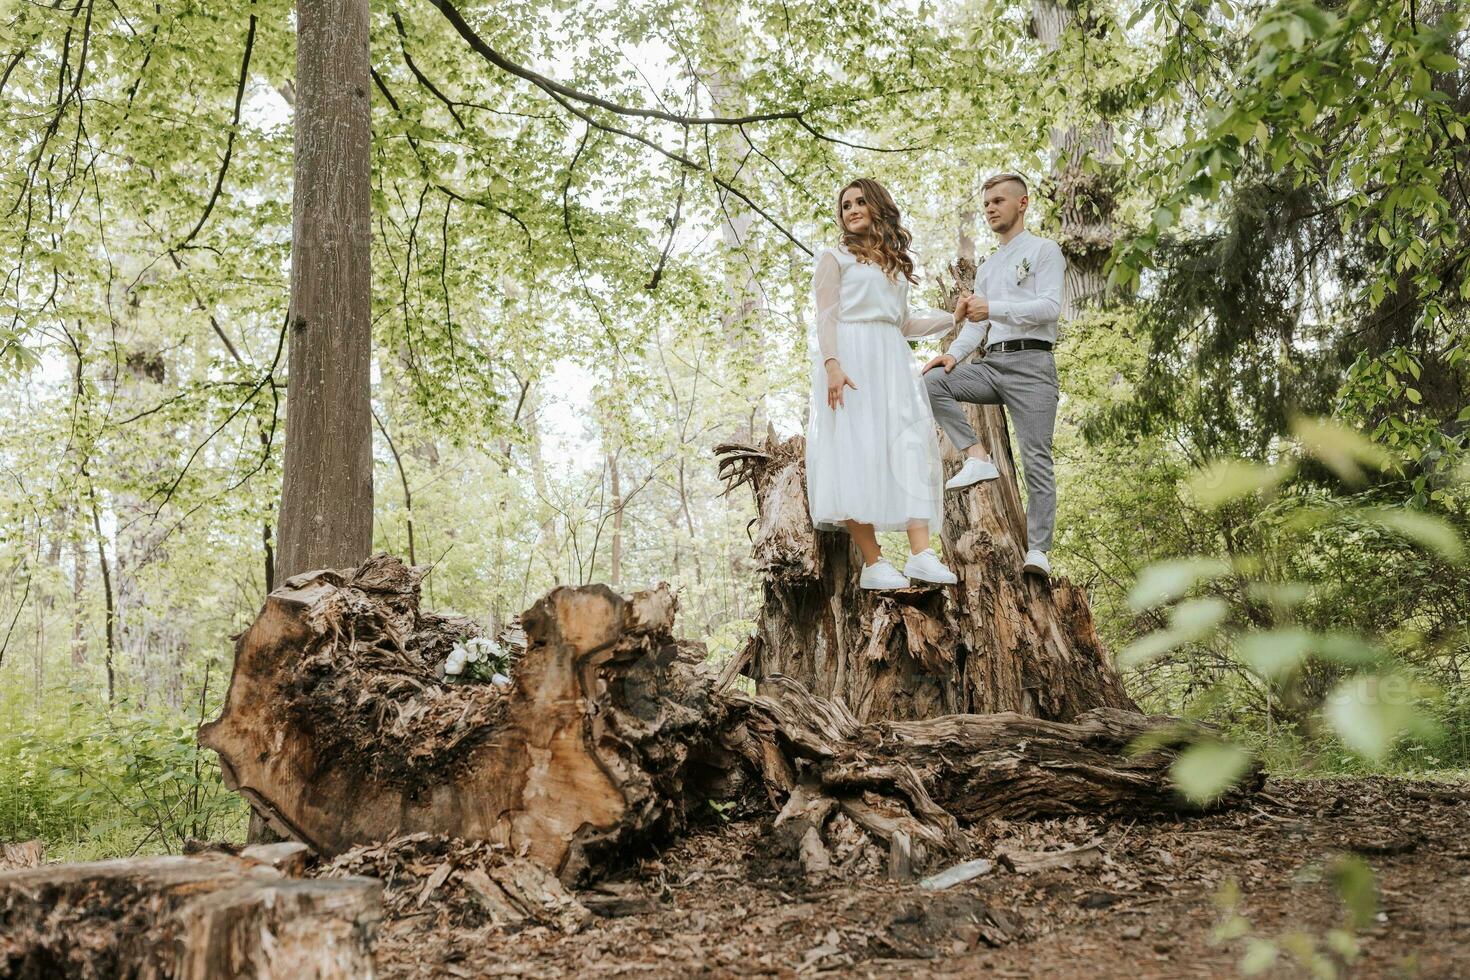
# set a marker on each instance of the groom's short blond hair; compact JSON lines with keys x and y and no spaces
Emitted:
{"x":1002,"y":178}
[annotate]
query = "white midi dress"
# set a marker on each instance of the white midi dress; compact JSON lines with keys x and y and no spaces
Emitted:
{"x":875,"y":460}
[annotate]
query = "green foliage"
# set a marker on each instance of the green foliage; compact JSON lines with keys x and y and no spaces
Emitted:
{"x":1262,"y":632}
{"x":112,"y":780}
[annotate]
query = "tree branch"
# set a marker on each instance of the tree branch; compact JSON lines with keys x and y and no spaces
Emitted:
{"x":219,"y":180}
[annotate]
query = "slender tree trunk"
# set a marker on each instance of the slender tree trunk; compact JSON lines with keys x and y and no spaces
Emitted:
{"x":615,"y":576}
{"x":109,"y":603}
{"x":326,"y":517}
{"x":744,"y":298}
{"x":78,"y":602}
{"x":965,"y":235}
{"x":144,"y":614}
{"x":403,"y":479}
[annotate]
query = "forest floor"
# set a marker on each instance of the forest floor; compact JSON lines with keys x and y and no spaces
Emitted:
{"x":1154,"y":902}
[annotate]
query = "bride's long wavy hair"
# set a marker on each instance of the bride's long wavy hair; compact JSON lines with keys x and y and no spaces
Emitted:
{"x":886,"y":242}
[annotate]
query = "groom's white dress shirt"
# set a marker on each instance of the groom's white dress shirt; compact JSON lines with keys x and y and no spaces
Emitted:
{"x":1023,"y":282}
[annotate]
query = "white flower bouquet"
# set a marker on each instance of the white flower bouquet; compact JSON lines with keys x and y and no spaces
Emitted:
{"x":478,"y":659}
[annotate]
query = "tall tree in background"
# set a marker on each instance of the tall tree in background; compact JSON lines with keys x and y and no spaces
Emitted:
{"x":327,"y":493}
{"x":327,"y":497}
{"x":1081,"y":184}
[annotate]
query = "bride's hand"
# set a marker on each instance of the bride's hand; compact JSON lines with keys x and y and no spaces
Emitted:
{"x":837,"y":379}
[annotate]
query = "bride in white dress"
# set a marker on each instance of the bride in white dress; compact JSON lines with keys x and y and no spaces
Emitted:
{"x":872,"y":450}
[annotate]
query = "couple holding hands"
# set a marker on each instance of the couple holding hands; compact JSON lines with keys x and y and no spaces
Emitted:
{"x":872,"y":459}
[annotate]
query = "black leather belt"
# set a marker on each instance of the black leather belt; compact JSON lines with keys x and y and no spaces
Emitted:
{"x":1006,"y":346}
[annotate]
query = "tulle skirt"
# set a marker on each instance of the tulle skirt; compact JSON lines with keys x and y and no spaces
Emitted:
{"x":876,"y":459}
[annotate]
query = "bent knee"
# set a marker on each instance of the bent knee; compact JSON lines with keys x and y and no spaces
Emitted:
{"x":937,"y":381}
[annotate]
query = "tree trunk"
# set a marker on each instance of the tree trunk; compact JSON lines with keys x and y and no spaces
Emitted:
{"x":1085,"y":201}
{"x":615,"y":572}
{"x":339,"y":727}
{"x":185,"y":918}
{"x":78,"y":602}
{"x":741,"y":320}
{"x":326,"y":517}
{"x":614,"y":735}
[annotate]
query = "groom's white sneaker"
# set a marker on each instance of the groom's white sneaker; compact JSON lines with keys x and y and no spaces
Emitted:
{"x":1036,"y":564}
{"x":926,"y":567}
{"x":974,"y":471}
{"x":882,"y":575}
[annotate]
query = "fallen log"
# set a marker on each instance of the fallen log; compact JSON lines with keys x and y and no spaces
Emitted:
{"x":184,"y":918}
{"x":339,"y":725}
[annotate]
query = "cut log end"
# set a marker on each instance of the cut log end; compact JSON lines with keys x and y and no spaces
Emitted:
{"x":186,"y":918}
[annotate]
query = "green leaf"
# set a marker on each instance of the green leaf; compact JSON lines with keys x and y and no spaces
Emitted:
{"x":1190,"y":621}
{"x":1350,"y":649}
{"x":1206,"y":769}
{"x":1369,"y":711}
{"x":1354,"y":881}
{"x":1271,"y":653}
{"x":1340,"y":448}
{"x":1227,"y":480}
{"x":1168,"y":580}
{"x":1260,"y":956}
{"x":1428,"y":531}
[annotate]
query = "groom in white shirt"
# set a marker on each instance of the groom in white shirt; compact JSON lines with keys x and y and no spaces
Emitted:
{"x":1013,"y":312}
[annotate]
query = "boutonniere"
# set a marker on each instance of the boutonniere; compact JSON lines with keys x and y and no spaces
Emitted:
{"x":1022,"y":271}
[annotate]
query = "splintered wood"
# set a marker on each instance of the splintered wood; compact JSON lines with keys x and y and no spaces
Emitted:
{"x":467,"y":883}
{"x":998,"y":641}
{"x":586,"y":751}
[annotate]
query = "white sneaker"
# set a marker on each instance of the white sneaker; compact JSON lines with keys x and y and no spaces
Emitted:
{"x":926,"y":567}
{"x":1036,"y":564}
{"x":974,"y":471}
{"x":882,"y":575}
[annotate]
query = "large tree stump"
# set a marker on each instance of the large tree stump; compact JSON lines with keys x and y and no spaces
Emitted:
{"x":998,"y":641}
{"x":613,"y":736}
{"x":184,"y":918}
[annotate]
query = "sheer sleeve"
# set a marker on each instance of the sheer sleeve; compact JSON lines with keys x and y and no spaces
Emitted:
{"x":926,"y":323}
{"x":827,"y":290}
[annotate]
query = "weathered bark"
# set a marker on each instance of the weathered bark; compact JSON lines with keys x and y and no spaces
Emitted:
{"x":613,"y":736}
{"x":326,"y":517}
{"x":998,"y":641}
{"x":185,"y":918}
{"x":1085,"y":195}
{"x":24,"y":854}
{"x":972,"y":767}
